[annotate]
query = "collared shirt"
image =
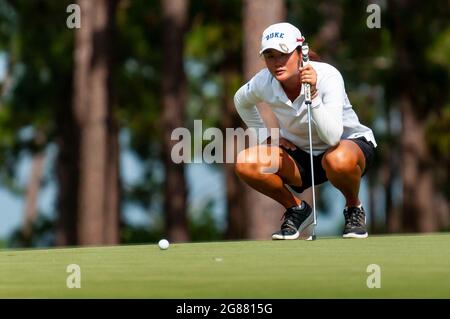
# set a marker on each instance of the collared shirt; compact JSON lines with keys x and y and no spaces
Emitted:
{"x":333,"y":117}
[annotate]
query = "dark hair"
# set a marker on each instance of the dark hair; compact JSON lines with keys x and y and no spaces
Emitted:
{"x":313,"y":56}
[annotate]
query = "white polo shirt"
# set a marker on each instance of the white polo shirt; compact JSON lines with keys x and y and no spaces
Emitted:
{"x":333,"y":116}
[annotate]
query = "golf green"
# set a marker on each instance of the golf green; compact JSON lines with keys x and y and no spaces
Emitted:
{"x":407,"y":266}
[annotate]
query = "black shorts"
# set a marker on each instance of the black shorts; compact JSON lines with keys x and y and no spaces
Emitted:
{"x":304,"y":163}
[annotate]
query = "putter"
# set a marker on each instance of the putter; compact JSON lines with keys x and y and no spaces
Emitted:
{"x":308,"y":101}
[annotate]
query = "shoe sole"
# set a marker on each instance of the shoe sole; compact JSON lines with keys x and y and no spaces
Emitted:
{"x":286,"y":237}
{"x":309,"y":220}
{"x":353,"y":235}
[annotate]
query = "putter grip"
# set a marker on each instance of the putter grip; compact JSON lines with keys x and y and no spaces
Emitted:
{"x":305,"y":58}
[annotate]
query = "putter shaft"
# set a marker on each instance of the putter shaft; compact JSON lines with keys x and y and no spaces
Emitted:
{"x":308,"y":101}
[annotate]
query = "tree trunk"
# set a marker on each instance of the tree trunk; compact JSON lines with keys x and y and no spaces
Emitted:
{"x":67,"y":171}
{"x":92,"y":121}
{"x":92,"y":105}
{"x":236,"y":217}
{"x":34,"y":185}
{"x":418,"y":212}
{"x":330,"y":32}
{"x":390,"y":172}
{"x":419,"y":193}
{"x":112,"y":174}
{"x":263,"y":213}
{"x":7,"y":81}
{"x":113,"y":193}
{"x":174,"y":100}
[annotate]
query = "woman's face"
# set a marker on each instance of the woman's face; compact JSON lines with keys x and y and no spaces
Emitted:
{"x":281,"y":65}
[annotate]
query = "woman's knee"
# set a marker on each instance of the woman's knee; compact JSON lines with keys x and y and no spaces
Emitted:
{"x":339,"y":161}
{"x":252,"y":161}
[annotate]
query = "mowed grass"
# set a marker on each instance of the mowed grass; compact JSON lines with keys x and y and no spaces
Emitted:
{"x":411,"y":267}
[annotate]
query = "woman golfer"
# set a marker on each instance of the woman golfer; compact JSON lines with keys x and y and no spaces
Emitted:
{"x":343,"y":148}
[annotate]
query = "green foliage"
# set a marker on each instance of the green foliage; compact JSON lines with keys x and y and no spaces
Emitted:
{"x":439,"y":52}
{"x":202,"y":226}
{"x":39,"y":56}
{"x":213,"y":44}
{"x":438,"y":125}
{"x":137,"y":74}
{"x":134,"y":235}
{"x":438,"y":134}
{"x":8,"y":24}
{"x":42,"y":234}
{"x":438,"y":139}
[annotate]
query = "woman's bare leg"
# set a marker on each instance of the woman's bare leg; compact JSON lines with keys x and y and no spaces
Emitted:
{"x":250,"y":169}
{"x":344,"y":165}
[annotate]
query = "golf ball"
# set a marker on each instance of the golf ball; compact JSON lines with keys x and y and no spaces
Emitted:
{"x":163,"y":244}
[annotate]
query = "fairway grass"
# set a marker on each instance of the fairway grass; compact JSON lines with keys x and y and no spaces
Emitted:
{"x":411,"y":266}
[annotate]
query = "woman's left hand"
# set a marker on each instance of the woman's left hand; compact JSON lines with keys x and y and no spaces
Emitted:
{"x":309,"y":75}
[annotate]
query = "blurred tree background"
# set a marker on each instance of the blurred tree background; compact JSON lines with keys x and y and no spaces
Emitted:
{"x":74,"y":101}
